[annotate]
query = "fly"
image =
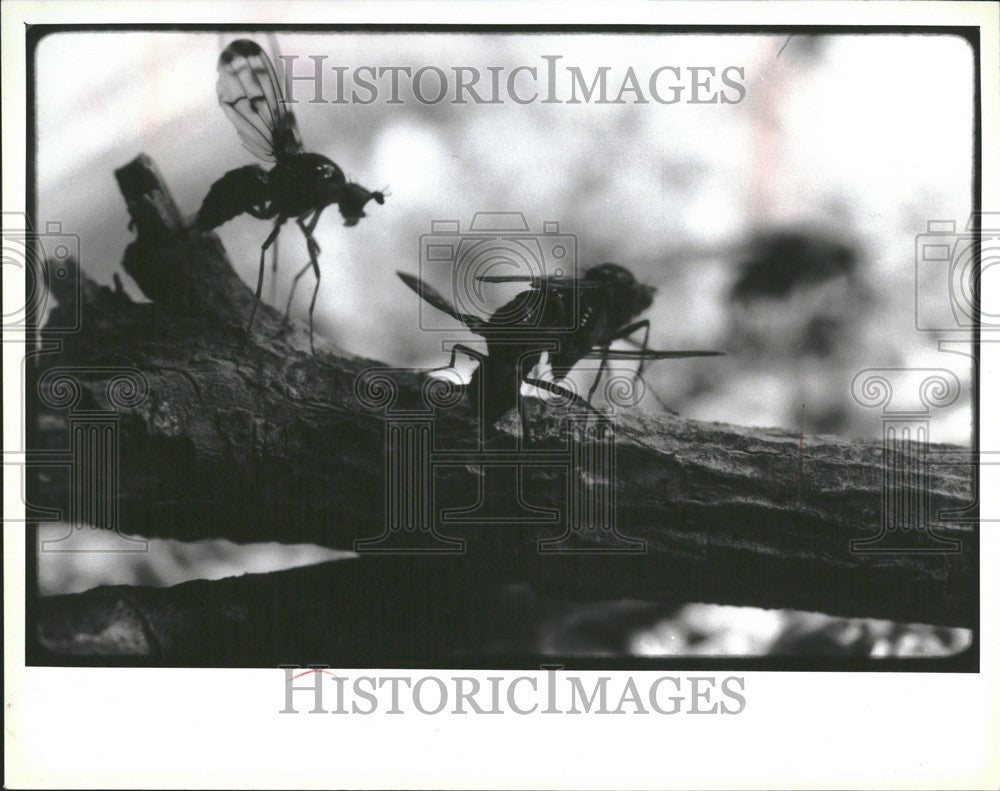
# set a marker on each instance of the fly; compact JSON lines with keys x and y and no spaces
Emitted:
{"x":607,"y":300}
{"x":300,"y":184}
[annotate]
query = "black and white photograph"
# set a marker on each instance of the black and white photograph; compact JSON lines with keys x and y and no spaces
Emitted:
{"x":441,"y":366}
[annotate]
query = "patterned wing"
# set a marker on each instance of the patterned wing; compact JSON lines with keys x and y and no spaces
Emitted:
{"x":433,"y":297}
{"x":648,"y":354}
{"x":550,"y":282}
{"x":251,"y":98}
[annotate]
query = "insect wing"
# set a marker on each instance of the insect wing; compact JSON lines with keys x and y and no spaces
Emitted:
{"x":648,"y":354}
{"x":433,"y":297}
{"x":507,"y":279}
{"x":539,"y":282}
{"x":251,"y":98}
{"x":290,"y":140}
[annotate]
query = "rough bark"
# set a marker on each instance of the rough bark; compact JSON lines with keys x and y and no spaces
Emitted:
{"x":256,"y":439}
{"x":355,"y":612}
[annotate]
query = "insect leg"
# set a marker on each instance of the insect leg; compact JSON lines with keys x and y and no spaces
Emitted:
{"x":274,"y":270}
{"x":457,"y":349}
{"x":312,"y":302}
{"x":307,"y":229}
{"x":644,"y":346}
{"x":623,"y":334}
{"x":627,"y":330}
{"x":600,"y":371}
{"x":644,"y":324}
{"x":312,"y":227}
{"x":295,"y":282}
{"x":260,"y":273}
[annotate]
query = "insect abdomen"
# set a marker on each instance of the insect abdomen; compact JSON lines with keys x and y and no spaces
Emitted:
{"x":242,"y":190}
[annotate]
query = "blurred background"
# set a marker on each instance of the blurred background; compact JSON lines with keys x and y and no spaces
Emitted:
{"x":781,"y":229}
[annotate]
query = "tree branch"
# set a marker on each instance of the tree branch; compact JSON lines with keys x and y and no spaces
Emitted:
{"x":264,"y":441}
{"x":355,"y":611}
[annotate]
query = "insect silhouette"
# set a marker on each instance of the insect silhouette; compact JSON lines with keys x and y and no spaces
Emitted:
{"x":300,"y":184}
{"x":581,"y":318}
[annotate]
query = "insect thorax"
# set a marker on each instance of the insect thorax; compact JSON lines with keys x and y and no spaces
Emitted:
{"x":306,"y":182}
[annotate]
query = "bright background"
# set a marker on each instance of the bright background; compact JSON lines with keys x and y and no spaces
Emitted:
{"x":821,"y":147}
{"x":674,"y":192}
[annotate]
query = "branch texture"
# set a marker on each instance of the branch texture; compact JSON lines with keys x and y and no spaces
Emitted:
{"x":255,"y":439}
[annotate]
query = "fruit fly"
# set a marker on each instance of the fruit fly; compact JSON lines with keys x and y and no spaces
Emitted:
{"x":300,"y":185}
{"x":580,"y":318}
